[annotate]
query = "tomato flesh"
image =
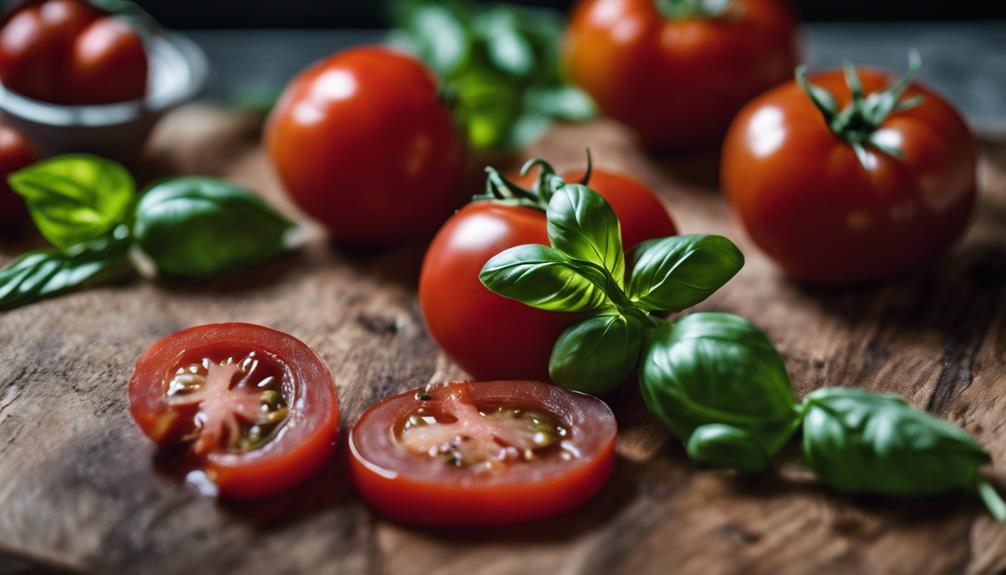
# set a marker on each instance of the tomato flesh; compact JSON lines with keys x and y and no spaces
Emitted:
{"x":256,"y":425}
{"x":482,"y":453}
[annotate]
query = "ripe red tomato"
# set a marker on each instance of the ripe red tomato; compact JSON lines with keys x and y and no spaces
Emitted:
{"x":491,"y":336}
{"x":364,"y":144}
{"x":16,"y":152}
{"x":255,"y":407}
{"x":68,"y":52}
{"x":678,"y":81}
{"x":482,"y":453}
{"x":810,"y":203}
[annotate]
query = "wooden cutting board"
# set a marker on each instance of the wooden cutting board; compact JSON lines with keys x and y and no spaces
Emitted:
{"x":81,"y":488}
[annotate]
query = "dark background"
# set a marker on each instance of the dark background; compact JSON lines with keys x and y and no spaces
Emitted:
{"x":371,"y":13}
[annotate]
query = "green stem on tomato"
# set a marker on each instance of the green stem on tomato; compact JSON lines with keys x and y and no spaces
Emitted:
{"x":693,"y":9}
{"x":857,"y":123}
{"x":502,"y":190}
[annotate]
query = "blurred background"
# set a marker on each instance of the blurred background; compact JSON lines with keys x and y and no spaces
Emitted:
{"x":370,"y":13}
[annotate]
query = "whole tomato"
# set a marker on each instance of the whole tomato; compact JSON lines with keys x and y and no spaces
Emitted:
{"x":16,"y":152}
{"x":674,"y":71}
{"x":844,"y":188}
{"x":68,"y":52}
{"x":488,"y":335}
{"x":364,"y":144}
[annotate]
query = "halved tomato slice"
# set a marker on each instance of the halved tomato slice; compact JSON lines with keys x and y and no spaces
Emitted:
{"x":256,"y":407}
{"x":482,"y":453}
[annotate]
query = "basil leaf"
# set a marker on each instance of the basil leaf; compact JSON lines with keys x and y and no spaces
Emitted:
{"x":75,"y":198}
{"x":542,"y":277}
{"x":862,"y":442}
{"x":46,"y":273}
{"x":198,"y":227}
{"x":675,"y":273}
{"x":508,"y":48}
{"x":718,"y":368}
{"x":567,"y":103}
{"x":597,"y":354}
{"x":721,"y":445}
{"x":583,"y":225}
{"x":435,"y":31}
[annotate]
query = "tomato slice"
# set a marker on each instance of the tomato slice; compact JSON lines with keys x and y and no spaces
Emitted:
{"x":256,"y":408}
{"x":482,"y":453}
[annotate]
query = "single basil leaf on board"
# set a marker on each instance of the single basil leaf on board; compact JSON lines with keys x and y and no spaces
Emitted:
{"x":597,"y":354}
{"x":675,"y":273}
{"x":46,"y":273}
{"x":862,"y":442}
{"x":583,"y":225}
{"x":197,"y":227}
{"x":542,"y":277}
{"x":718,"y":368}
{"x":726,"y":446}
{"x":75,"y":198}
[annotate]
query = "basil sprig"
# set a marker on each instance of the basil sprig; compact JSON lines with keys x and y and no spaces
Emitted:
{"x":87,"y":208}
{"x":713,"y":379}
{"x":584,"y":270}
{"x":499,"y":64}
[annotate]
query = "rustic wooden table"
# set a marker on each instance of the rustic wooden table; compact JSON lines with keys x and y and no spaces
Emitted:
{"x":81,"y":488}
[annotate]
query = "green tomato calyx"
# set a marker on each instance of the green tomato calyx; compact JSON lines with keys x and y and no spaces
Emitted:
{"x":694,"y":9}
{"x":502,"y":190}
{"x":859,"y":121}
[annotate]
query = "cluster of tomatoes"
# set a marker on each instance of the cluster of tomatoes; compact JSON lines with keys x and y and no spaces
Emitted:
{"x":839,"y":178}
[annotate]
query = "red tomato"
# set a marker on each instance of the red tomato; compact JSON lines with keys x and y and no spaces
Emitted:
{"x":68,"y":52}
{"x":678,"y":82}
{"x":482,"y":453}
{"x":491,"y":336}
{"x":256,"y":407}
{"x":364,"y":144}
{"x":812,"y":206}
{"x":16,"y":152}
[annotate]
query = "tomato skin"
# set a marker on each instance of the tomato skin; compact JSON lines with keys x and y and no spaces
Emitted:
{"x":16,"y":152}
{"x":68,"y":52}
{"x":408,"y":488}
{"x":303,"y":444}
{"x":363,"y":144}
{"x":491,"y":336}
{"x":677,"y":84}
{"x":807,"y":201}
{"x":108,"y":64}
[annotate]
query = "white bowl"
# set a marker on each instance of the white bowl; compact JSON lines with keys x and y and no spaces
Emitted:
{"x":178,"y":72}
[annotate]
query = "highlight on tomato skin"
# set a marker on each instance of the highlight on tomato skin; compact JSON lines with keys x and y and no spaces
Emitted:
{"x":254,"y":408}
{"x":482,"y":453}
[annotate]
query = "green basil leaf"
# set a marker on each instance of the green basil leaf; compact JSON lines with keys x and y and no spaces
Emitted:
{"x":675,"y":273}
{"x":566,"y":103}
{"x":46,"y":273}
{"x":75,"y":198}
{"x":198,"y":227}
{"x":542,"y":277}
{"x":718,"y":368}
{"x":862,"y":442}
{"x":725,"y":446}
{"x":507,"y":46}
{"x":583,"y":225}
{"x":597,"y":354}
{"x":436,"y":31}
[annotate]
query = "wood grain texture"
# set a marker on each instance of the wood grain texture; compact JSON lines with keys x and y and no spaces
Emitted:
{"x":80,"y":487}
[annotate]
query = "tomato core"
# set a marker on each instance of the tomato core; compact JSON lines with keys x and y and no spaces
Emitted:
{"x":240,"y":404}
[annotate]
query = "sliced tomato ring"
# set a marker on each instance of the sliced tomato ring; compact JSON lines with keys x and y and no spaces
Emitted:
{"x":256,"y":408}
{"x":482,"y":453}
